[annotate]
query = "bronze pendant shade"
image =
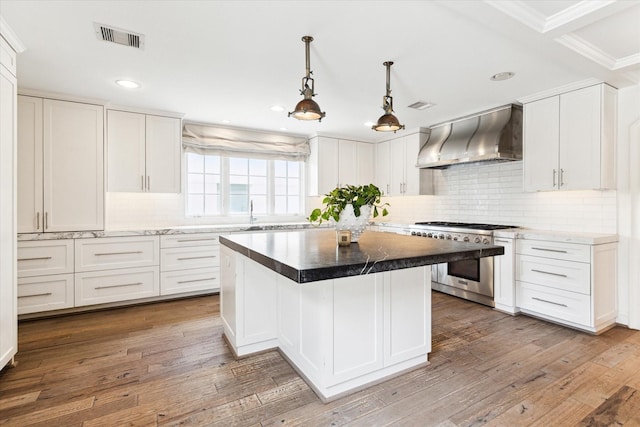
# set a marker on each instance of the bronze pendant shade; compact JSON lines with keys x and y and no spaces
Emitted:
{"x":307,"y":109}
{"x":387,"y":122}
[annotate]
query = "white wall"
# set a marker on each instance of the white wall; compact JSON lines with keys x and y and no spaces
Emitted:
{"x":492,"y":193}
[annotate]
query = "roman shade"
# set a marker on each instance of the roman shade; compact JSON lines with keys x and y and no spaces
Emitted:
{"x":214,"y":140}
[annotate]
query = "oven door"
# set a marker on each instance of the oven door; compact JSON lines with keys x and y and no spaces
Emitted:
{"x":470,"y":275}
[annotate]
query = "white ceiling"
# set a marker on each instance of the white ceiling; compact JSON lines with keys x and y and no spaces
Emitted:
{"x":232,"y":60}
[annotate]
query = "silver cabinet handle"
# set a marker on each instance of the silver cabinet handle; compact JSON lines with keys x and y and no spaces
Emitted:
{"x":38,"y":220}
{"x":118,"y":286}
{"x":196,"y":280}
{"x":561,"y":178}
{"x":196,"y":240}
{"x":46,"y":221}
{"x":549,"y":302}
{"x":554,"y":177}
{"x":118,"y":253}
{"x":34,"y":258}
{"x":550,"y":250}
{"x":46,"y":294}
{"x":142,"y":182}
{"x":196,"y":257}
{"x":148,"y":183}
{"x":548,"y":272}
{"x":501,"y":241}
{"x":387,"y":189}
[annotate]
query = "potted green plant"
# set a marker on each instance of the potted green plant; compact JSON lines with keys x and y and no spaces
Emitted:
{"x":350,"y":207}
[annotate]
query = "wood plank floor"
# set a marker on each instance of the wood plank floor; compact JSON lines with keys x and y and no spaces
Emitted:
{"x":166,"y":364}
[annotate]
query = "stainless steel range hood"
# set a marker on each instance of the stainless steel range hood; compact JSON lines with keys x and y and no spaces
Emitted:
{"x":492,"y":135}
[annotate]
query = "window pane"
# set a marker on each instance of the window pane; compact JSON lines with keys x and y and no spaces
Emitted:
{"x":195,"y":183}
{"x":211,"y":205}
{"x":195,"y":163}
{"x":258,"y":185}
{"x":293,"y":205}
{"x":238,"y":183}
{"x":212,"y":164}
{"x":212,"y":184}
{"x":195,"y":204}
{"x":280,"y":205}
{"x":258,"y":167}
{"x":293,"y":186}
{"x":238,"y":166}
{"x":238,"y":203}
{"x":259,"y":204}
{"x":294,"y":169}
{"x":280,"y":167}
{"x":280,"y":186}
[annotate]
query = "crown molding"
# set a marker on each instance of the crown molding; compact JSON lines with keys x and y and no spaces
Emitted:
{"x":10,"y":36}
{"x":558,"y":90}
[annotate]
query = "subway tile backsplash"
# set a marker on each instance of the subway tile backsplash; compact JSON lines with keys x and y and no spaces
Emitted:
{"x":492,"y":193}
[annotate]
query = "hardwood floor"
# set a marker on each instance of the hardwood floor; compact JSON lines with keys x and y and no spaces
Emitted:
{"x":166,"y":364}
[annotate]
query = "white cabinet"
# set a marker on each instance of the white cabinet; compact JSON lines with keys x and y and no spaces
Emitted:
{"x":60,"y":168}
{"x":337,"y":162}
{"x":189,"y":262}
{"x":113,"y":269}
{"x":569,"y":283}
{"x":569,"y":140}
{"x":504,"y":277}
{"x":8,"y":123}
{"x":144,"y":153}
{"x":402,"y":153}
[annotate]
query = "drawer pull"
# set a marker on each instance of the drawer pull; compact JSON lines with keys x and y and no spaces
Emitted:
{"x":46,"y":294}
{"x":548,"y":272}
{"x":196,"y":280}
{"x":550,"y":250}
{"x":196,"y":257}
{"x":118,"y":286}
{"x":34,"y":259}
{"x":500,"y":241}
{"x":550,"y":302}
{"x":119,"y":253}
{"x":196,"y":240}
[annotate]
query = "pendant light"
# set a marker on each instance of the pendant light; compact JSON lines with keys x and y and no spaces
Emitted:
{"x":387,"y":122}
{"x":307,"y":109}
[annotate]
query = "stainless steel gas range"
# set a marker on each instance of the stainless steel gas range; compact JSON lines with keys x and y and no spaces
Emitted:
{"x":469,"y":279}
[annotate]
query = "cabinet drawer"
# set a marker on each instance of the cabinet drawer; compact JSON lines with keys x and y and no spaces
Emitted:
{"x":555,"y":250}
{"x":45,"y":258}
{"x":43,"y":293}
{"x":564,"y":275}
{"x":116,"y":285}
{"x":184,"y":258}
{"x":116,"y":252}
{"x":561,"y":305}
{"x":197,"y":279}
{"x":182,"y":240}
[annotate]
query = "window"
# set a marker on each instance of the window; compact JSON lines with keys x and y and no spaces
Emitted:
{"x":220,"y":185}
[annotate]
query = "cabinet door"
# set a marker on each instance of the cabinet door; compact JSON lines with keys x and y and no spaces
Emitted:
{"x":504,"y":276}
{"x":73,"y":166}
{"x":328,"y":176}
{"x":541,"y":129}
{"x":8,"y":299}
{"x":383,"y":168}
{"x":397,"y":156}
{"x":30,"y":196}
{"x":163,"y":154}
{"x":347,"y":163}
{"x":580,"y":124}
{"x":412,"y":144}
{"x":364,"y":163}
{"x":125,"y":151}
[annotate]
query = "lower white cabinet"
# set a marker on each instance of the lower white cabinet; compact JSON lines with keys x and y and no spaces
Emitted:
{"x":569,"y":283}
{"x":40,"y":258}
{"x":116,"y":252}
{"x":504,"y":277}
{"x":45,"y":293}
{"x":100,"y":287}
{"x":189,"y":263}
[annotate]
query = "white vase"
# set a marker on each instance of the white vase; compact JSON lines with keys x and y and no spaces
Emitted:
{"x":355,"y":224}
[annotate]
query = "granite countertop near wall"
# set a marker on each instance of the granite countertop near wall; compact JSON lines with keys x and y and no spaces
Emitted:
{"x":186,"y":229}
{"x":558,"y":236}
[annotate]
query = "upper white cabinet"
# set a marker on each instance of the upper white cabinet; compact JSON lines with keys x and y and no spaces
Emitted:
{"x":396,"y":159}
{"x":60,"y":166}
{"x":8,"y":289}
{"x":337,"y":162}
{"x":569,"y":140}
{"x":143,"y":152}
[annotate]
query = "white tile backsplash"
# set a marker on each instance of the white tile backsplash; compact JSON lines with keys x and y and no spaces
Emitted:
{"x":492,"y":193}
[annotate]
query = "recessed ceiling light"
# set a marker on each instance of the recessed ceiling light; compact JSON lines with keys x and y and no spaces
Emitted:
{"x":129,"y":84}
{"x":505,"y":75}
{"x":276,"y":108}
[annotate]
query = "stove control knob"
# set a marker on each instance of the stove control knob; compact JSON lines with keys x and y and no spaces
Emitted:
{"x":424,"y":234}
{"x":441,"y":236}
{"x":455,"y":237}
{"x":476,"y":240}
{"x":448,"y":236}
{"x":429,"y":234}
{"x":485,"y":241}
{"x":413,"y":233}
{"x":466,"y":238}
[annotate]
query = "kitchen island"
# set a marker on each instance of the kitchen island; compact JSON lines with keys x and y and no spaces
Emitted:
{"x":344,"y":317}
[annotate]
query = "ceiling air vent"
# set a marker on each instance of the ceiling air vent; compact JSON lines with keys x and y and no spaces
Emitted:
{"x":119,"y":36}
{"x":421,"y":105}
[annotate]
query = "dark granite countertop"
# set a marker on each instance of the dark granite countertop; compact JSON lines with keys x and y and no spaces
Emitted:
{"x":312,"y":255}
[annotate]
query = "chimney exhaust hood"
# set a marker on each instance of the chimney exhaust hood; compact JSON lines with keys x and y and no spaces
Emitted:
{"x":492,"y":135}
